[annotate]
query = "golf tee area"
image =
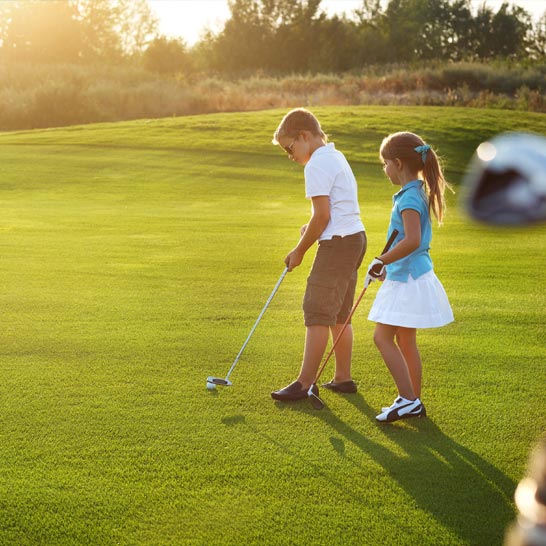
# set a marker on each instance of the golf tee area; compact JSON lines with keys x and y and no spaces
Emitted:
{"x":135,"y":258}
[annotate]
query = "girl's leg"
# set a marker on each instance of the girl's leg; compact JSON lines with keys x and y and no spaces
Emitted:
{"x":407,"y":341}
{"x":316,"y":339}
{"x":394,"y":359}
{"x":343,"y":352}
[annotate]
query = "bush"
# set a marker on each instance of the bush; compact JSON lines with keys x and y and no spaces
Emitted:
{"x":55,"y":95}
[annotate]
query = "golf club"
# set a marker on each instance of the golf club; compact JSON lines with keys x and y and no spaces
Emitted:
{"x":313,"y":392}
{"x":225,"y":382}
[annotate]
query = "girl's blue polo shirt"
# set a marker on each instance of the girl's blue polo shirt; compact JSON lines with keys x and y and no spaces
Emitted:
{"x":411,"y":196}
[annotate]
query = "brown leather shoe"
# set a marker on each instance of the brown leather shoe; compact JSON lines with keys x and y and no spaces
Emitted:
{"x":346,"y":387}
{"x":292,"y":392}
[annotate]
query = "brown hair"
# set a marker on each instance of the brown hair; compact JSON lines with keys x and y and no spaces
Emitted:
{"x":403,"y":146}
{"x":298,"y":120}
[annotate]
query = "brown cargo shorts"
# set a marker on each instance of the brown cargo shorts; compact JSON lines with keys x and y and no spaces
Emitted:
{"x":331,"y":285}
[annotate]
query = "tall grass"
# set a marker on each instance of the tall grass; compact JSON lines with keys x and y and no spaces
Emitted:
{"x":37,"y":96}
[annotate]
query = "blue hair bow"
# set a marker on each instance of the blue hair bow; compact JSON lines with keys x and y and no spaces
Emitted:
{"x":423,"y":151}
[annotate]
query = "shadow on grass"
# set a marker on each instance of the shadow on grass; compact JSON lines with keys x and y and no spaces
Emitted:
{"x":460,"y":490}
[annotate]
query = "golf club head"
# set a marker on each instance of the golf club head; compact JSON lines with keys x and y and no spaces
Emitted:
{"x":219,"y":381}
{"x":313,"y":394}
{"x":506,"y":180}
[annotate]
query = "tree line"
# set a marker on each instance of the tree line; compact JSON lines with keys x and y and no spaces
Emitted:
{"x":288,"y":36}
{"x":270,"y":36}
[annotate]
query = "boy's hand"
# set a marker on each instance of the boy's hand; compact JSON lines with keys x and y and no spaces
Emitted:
{"x":293,"y":259}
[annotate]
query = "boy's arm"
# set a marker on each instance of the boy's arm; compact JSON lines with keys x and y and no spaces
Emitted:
{"x":317,"y":224}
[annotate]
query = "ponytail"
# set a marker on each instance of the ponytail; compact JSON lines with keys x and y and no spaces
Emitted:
{"x":436,"y":185}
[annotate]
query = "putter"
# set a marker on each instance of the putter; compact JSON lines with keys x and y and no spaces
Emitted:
{"x":225,"y":382}
{"x":313,"y":392}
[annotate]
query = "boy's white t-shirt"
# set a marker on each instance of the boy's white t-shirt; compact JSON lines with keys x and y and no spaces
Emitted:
{"x":329,"y":173}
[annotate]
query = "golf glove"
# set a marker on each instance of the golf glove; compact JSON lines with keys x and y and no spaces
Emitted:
{"x":376,"y":269}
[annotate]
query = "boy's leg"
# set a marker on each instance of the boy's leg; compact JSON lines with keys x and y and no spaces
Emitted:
{"x":394,"y":359}
{"x":323,"y":299}
{"x":316,"y":339}
{"x":343,"y":352}
{"x":407,"y":341}
{"x":344,"y":348}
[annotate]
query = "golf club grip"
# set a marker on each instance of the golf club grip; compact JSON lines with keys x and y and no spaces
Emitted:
{"x":393,"y":236}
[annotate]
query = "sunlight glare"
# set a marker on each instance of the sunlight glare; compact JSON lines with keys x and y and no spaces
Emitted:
{"x":486,"y":151}
{"x":188,"y":19}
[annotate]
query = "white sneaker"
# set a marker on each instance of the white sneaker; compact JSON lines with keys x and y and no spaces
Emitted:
{"x":402,"y":408}
{"x":396,"y":401}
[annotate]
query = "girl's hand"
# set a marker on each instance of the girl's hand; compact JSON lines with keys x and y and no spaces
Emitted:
{"x":376,"y":270}
{"x":303,"y":230}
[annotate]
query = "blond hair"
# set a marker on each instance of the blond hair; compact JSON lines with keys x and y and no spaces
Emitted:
{"x":403,"y":146}
{"x":298,"y":120}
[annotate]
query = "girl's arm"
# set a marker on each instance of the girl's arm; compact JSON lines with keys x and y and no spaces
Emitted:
{"x":411,"y":240}
{"x":317,"y":224}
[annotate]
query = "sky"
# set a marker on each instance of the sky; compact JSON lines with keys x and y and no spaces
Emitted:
{"x":188,"y":18}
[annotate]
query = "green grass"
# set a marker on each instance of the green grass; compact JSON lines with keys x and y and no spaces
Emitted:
{"x":135,"y":258}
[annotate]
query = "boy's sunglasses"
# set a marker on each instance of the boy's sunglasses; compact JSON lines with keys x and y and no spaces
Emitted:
{"x":290,"y":148}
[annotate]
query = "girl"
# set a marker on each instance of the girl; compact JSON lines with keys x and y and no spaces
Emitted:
{"x":412,"y":296}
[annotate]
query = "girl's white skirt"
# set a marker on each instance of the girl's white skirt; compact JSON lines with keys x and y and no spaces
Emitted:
{"x":418,"y":303}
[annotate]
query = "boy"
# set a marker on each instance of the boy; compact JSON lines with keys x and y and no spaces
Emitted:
{"x":335,"y":222}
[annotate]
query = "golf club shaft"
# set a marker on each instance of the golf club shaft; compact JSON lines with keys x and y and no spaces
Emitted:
{"x":319,"y":373}
{"x":257,"y":322}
